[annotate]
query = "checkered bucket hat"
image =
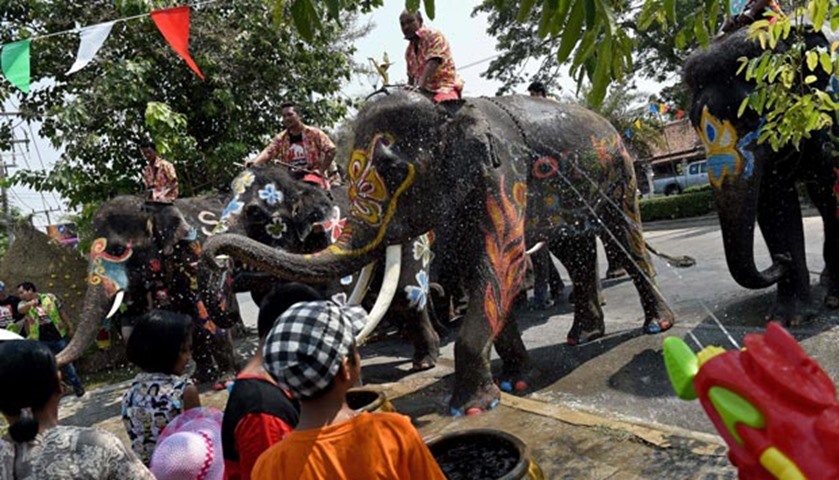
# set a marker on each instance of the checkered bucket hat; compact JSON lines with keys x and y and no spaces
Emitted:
{"x":304,"y":350}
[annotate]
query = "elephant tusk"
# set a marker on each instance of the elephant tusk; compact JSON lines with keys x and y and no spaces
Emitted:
{"x":390,"y":282}
{"x":117,"y":302}
{"x":362,"y":284}
{"x":535,"y":248}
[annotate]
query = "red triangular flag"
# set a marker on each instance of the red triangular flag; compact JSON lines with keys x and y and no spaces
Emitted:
{"x":173,"y":23}
{"x":679,"y":114}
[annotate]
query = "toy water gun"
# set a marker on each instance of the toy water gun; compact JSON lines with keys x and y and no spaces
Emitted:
{"x":773,"y":405}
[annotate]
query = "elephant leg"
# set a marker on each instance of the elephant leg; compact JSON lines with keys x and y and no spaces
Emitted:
{"x":555,"y":281}
{"x":630,"y":254}
{"x":616,"y":268}
{"x":474,"y":390}
{"x":779,"y":218}
{"x":579,"y":255}
{"x":517,"y":371}
{"x":425,"y":339}
{"x":202,"y":352}
{"x":825,"y":196}
{"x":223,"y":353}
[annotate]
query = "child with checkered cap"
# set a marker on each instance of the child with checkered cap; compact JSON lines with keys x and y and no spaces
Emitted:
{"x":311,"y":352}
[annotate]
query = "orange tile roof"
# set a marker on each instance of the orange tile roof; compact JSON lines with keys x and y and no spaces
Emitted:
{"x":679,"y":138}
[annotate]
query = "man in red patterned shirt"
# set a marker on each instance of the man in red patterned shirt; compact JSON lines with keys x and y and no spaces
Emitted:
{"x":305,"y":150}
{"x":159,"y":176}
{"x":429,"y":58}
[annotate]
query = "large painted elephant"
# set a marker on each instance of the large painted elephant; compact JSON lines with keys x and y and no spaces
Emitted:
{"x":488,"y":175}
{"x":271,"y":207}
{"x":145,"y":255}
{"x":751,"y":181}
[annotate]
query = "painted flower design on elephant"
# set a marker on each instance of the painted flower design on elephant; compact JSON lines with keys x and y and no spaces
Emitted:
{"x":720,"y":140}
{"x":106,"y":269}
{"x":334,"y":225}
{"x":271,"y":195}
{"x":276,"y":228}
{"x":367,"y":192}
{"x":422,"y":248}
{"x":241,"y":183}
{"x":418,"y":294}
{"x":545,"y":167}
{"x":232,"y":208}
{"x":603,"y":149}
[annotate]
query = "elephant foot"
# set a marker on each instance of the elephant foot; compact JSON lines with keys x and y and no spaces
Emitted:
{"x":658,"y":326}
{"x":579,"y":336}
{"x":831,"y":301}
{"x":423,"y":362}
{"x":518,"y":381}
{"x":465,"y":402}
{"x":600,"y":298}
{"x":792,"y":313}
{"x":616,"y":273}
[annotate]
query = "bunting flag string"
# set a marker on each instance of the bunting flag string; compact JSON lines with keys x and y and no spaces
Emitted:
{"x":91,"y":40}
{"x":173,"y":24}
{"x":15,"y":62}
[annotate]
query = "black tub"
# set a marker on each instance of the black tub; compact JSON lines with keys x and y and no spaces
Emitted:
{"x":483,"y":454}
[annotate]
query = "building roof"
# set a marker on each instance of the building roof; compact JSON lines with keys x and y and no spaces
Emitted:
{"x":679,"y":140}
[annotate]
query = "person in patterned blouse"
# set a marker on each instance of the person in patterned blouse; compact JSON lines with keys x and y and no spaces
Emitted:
{"x":429,"y":59}
{"x":159,"y":176}
{"x":303,"y":149}
{"x":37,"y":447}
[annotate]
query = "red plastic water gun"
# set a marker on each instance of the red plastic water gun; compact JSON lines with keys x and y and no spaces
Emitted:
{"x":773,"y":405}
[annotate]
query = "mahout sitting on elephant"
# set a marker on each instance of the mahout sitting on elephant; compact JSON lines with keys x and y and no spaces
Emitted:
{"x":144,"y":256}
{"x":750,"y":180}
{"x":487,"y":175}
{"x":273,"y":208}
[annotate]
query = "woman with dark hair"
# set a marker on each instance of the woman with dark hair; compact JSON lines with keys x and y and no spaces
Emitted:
{"x":160,"y":344}
{"x":37,"y":447}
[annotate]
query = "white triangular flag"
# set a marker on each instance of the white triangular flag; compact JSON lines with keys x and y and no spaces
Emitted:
{"x":91,"y":40}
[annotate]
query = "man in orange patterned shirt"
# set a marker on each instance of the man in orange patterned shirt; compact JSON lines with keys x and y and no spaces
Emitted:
{"x":429,"y":58}
{"x":159,"y":176}
{"x":305,"y":150}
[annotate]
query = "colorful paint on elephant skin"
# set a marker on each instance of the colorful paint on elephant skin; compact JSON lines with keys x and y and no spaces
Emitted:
{"x":276,"y":228}
{"x":343,"y":246}
{"x":106,"y":269}
{"x":545,"y":167}
{"x":367,"y":191}
{"x":422,"y":248}
{"x":504,"y":244}
{"x":334,"y":225}
{"x":721,"y":146}
{"x":242,"y":182}
{"x":603,"y":148}
{"x":271,"y":195}
{"x":418,"y":294}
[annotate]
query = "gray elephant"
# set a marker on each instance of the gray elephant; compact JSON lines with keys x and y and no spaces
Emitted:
{"x":271,"y":207}
{"x":488,"y":175}
{"x":145,"y":255}
{"x":751,"y":181}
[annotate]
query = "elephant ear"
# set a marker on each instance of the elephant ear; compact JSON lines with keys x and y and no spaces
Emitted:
{"x":168,"y":227}
{"x":466,"y":135}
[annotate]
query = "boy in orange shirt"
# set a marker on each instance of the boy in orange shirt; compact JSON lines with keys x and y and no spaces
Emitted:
{"x":311,"y":352}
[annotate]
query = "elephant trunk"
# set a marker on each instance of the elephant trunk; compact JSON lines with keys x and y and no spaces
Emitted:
{"x":319,"y":267}
{"x":737,"y":204}
{"x":95,"y":309}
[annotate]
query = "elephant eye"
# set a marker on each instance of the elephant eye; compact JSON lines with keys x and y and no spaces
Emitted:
{"x":255,"y":212}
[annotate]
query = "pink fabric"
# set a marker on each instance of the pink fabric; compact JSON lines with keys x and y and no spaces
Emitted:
{"x":190,"y":447}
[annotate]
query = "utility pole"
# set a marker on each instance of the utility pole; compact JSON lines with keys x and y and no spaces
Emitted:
{"x":4,"y":194}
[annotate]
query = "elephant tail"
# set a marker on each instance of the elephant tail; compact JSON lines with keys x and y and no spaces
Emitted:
{"x":681,"y":261}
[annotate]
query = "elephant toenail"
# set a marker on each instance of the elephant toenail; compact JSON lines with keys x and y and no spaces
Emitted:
{"x":456,"y":412}
{"x":652,"y":328}
{"x":506,"y":386}
{"x":474,"y":411}
{"x":521,"y":386}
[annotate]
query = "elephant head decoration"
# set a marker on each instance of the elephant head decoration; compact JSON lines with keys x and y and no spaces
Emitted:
{"x":486,"y":175}
{"x":146,"y":256}
{"x":753,"y":182}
